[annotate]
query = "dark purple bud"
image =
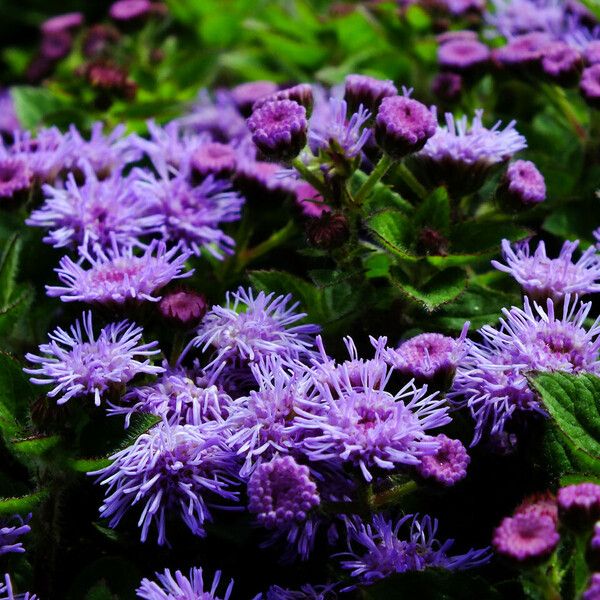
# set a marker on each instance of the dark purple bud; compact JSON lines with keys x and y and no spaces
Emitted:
{"x":432,"y":243}
{"x":463,"y":56}
{"x":67,"y":22}
{"x":56,"y":45}
{"x":246,"y":94}
{"x":279,"y":129}
{"x":213,"y":158}
{"x":589,"y":85}
{"x":258,"y":181}
{"x":98,"y":40}
{"x":327,"y":232}
{"x":447,"y":86}
{"x":301,"y":93}
{"x":403,"y":126}
{"x":562,"y":64}
{"x":522,"y":186}
{"x":579,"y":505}
{"x":184,"y":308}
{"x":367,"y":91}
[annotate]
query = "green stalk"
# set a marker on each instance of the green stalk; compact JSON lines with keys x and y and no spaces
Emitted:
{"x":381,"y":168}
{"x":558,"y":97}
{"x":411,"y":181}
{"x":394,"y":494}
{"x":309,"y":176}
{"x":276,"y":239}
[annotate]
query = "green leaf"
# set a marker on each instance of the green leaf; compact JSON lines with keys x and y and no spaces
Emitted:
{"x":382,"y":197}
{"x":21,"y":504}
{"x":34,"y":446}
{"x":9,"y":264}
{"x":573,"y":401}
{"x":394,"y":231}
{"x":16,"y":394}
{"x":483,"y":235}
{"x":442,"y":288}
{"x":86,"y":465}
{"x":34,"y":104}
{"x":434,"y":212}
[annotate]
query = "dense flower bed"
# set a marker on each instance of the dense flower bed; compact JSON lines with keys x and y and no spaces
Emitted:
{"x":326,"y":333}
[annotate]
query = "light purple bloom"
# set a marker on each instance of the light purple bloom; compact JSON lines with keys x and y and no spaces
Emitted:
{"x":11,"y":530}
{"x":79,"y":363}
{"x":172,"y":470}
{"x":543,"y":277}
{"x":64,"y":22}
{"x":448,"y":465}
{"x":344,"y":134}
{"x":376,"y":550}
{"x":213,"y":158}
{"x":127,"y":10}
{"x":523,"y":52}
{"x":183,"y":308}
{"x":589,"y":85}
{"x":526,"y":537}
{"x":15,"y":177}
{"x":561,"y":63}
{"x":593,"y":590}
{"x":99,"y":211}
{"x":522,"y":185}
{"x":349,"y":417}
{"x":463,"y":56}
{"x":179,"y":587}
{"x":252,"y":326}
{"x":116,"y":275}
{"x":7,"y":593}
{"x":516,"y":17}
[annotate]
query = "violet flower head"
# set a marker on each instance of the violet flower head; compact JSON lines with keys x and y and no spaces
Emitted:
{"x":462,"y":156}
{"x":429,"y":358}
{"x":64,"y":22}
{"x":98,"y":211}
{"x":579,"y":504}
{"x":526,"y":538}
{"x":177,"y":586}
{"x":192,"y":215}
{"x":592,"y":592}
{"x":183,"y":308}
{"x":542,"y":277}
{"x":11,"y":530}
{"x":7,"y":592}
{"x":15,"y":177}
{"x":447,"y":86}
{"x":251,"y":326}
{"x":589,"y":85}
{"x":245,"y":95}
{"x":592,"y":53}
{"x":261,"y":423}
{"x":463,"y":56}
{"x":259,"y":181}
{"x":561,"y":63}
{"x":301,"y":93}
{"x":521,"y":186}
{"x":129,"y":10}
{"x":279,"y":129}
{"x":344,"y":135}
{"x":368,"y":92}
{"x":349,"y":417}
{"x":213,"y":158}
{"x":44,"y":154}
{"x":403,"y":125}
{"x":117,"y":275}
{"x":170,"y":470}
{"x":517,"y":17}
{"x":178,"y":397}
{"x":448,"y":465}
{"x":376,"y":550}
{"x":523,"y":52}
{"x":79,"y":363}
{"x":281,"y":493}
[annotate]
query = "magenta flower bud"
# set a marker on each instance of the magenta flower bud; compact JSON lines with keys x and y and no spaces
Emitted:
{"x":579,"y":505}
{"x":279,"y":129}
{"x":246,"y":94}
{"x":301,"y":93}
{"x":130,"y":10}
{"x":403,"y":126}
{"x":184,"y":308}
{"x":56,"y":45}
{"x":561,"y":63}
{"x":463,"y":56}
{"x":213,"y":158}
{"x":541,"y":504}
{"x":329,"y":231}
{"x":368,"y":91}
{"x":447,"y":86}
{"x":526,"y":538}
{"x":589,"y":85}
{"x":448,"y":465}
{"x":66,"y":22}
{"x":522,"y":186}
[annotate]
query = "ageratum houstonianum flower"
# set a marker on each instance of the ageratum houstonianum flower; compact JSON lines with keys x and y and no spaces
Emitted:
{"x":491,"y":380}
{"x":592,"y":592}
{"x":79,"y":363}
{"x":526,"y":537}
{"x":521,"y":186}
{"x":579,"y":505}
{"x":15,"y":177}
{"x":465,"y":56}
{"x":116,"y":275}
{"x":251,"y":326}
{"x":462,"y":156}
{"x":376,"y":550}
{"x":348,"y":416}
{"x":98,"y":210}
{"x":368,"y":92}
{"x":11,"y":529}
{"x":544,"y":277}
{"x":448,"y":465}
{"x":177,"y":586}
{"x":191,"y":215}
{"x":213,"y":158}
{"x":171,"y":470}
{"x":7,"y":592}
{"x":179,"y":397}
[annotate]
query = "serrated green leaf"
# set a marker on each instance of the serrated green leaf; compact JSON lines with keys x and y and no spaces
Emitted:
{"x":86,"y":465}
{"x":573,"y":401}
{"x":442,"y":288}
{"x":381,"y":197}
{"x":434,"y":212}
{"x":34,"y":446}
{"x":140,"y":423}
{"x":394,"y":231}
{"x":21,"y":504}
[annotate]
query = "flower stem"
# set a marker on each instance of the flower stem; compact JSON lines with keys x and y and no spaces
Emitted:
{"x":394,"y":494}
{"x":276,"y":239}
{"x":558,"y":97}
{"x":381,"y":168}
{"x":309,"y":176}
{"x":411,"y":181}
